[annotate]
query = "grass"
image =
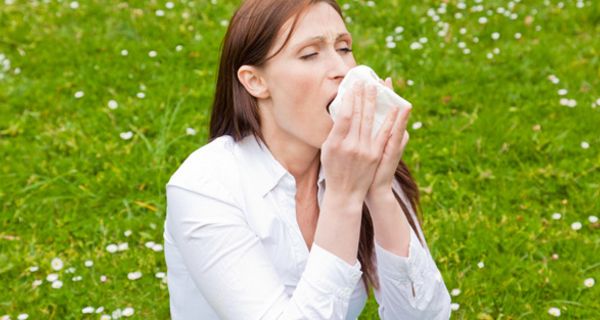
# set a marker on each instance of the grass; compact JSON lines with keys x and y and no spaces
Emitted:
{"x":496,"y":156}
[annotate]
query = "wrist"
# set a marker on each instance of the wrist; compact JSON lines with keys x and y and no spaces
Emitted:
{"x":352,"y":203}
{"x":379,"y":194}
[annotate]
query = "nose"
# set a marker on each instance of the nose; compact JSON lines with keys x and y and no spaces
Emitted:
{"x":339,"y":66}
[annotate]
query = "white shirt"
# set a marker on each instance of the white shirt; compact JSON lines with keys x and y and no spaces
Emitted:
{"x":234,"y":249}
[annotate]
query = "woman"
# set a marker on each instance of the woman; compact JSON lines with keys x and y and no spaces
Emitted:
{"x":284,"y":211}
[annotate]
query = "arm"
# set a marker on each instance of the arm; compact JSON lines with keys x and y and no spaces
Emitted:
{"x":230,"y":267}
{"x":411,"y":285}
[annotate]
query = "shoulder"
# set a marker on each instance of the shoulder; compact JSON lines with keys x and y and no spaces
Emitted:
{"x":209,"y":170}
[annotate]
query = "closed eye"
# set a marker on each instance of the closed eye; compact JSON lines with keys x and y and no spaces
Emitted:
{"x":308,"y":56}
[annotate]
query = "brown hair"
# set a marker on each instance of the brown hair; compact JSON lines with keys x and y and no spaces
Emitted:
{"x":251,"y":34}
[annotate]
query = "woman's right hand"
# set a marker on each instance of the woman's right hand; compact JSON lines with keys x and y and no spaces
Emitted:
{"x":350,"y":154}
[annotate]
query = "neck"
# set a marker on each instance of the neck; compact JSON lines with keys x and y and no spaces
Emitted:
{"x":301,"y":160}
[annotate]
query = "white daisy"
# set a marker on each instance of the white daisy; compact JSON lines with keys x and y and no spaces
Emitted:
{"x":410,"y":83}
{"x":159,"y":13}
{"x":483,"y":20}
{"x":178,"y":48}
{"x":589,"y":282}
{"x":455,"y":292}
{"x":57,"y":284}
{"x":556,"y":216}
{"x":74,"y":5}
{"x":152,"y":54}
{"x":117,"y":314}
{"x":169,"y":5}
{"x":125,"y":136}
{"x":56,"y":264}
{"x":576,"y":225}
{"x":127,"y":233}
{"x":79,"y":94}
{"x":480,"y":264}
{"x":585,"y":145}
{"x":140,"y":95}
{"x":36,"y":283}
{"x":454,"y":306}
{"x":134,"y":275}
{"x":103,"y":278}
{"x":87,"y":310}
{"x":105,"y":317}
{"x":23,"y":316}
{"x":52,"y":277}
{"x":554,"y":312}
{"x":124,"y":52}
{"x":160,"y":275}
{"x":157,"y":247}
{"x":416,"y":46}
{"x":123,"y":246}
{"x":88,"y":263}
{"x":562,"y":92}
{"x":112,"y":248}
{"x":190,"y":131}
{"x":495,"y":36}
{"x":33,"y":268}
{"x":128,"y":312}
{"x":593,"y":219}
{"x":417,"y":125}
{"x":99,"y":309}
{"x":112,"y":104}
{"x":518,"y":36}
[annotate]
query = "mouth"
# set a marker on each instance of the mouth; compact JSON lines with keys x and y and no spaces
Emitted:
{"x":329,"y":104}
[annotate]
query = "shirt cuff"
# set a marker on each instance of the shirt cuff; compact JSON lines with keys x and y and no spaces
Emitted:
{"x":403,"y":269}
{"x":330,"y":273}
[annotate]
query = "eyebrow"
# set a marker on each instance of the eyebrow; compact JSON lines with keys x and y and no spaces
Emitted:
{"x":320,"y":39}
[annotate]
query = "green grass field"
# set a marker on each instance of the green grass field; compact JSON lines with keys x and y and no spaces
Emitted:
{"x":100,"y":100}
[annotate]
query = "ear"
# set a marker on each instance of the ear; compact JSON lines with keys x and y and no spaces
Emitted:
{"x":250,"y":77}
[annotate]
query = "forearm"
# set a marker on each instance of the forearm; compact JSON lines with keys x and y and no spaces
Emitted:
{"x":338,"y":227}
{"x":391,"y":228}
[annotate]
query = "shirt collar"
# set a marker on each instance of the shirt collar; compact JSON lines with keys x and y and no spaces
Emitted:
{"x":263,"y":168}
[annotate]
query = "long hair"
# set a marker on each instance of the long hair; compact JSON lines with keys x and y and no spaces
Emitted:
{"x":250,"y":35}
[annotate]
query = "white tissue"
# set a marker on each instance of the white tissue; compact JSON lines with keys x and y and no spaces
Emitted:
{"x":386,"y":97}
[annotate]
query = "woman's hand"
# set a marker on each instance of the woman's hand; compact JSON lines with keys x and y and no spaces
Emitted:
{"x":392,"y":153}
{"x":350,"y":154}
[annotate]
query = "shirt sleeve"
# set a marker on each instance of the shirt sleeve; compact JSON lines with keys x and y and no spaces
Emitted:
{"x":232,"y":270}
{"x":410,"y":287}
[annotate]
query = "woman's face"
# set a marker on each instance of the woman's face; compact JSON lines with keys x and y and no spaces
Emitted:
{"x":304,"y":77}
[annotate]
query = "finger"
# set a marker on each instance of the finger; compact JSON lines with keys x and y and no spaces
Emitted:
{"x":386,"y":129}
{"x":370,"y":100}
{"x":357,"y":97}
{"x":388,"y":83}
{"x":400,"y":126}
{"x":343,"y":118}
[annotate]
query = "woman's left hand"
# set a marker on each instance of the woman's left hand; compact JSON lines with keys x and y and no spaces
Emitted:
{"x":392,"y":153}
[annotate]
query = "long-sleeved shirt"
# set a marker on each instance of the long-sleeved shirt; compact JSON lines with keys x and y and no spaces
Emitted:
{"x":234,"y":249}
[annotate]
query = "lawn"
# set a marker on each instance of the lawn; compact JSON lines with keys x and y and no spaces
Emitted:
{"x":100,"y":101}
